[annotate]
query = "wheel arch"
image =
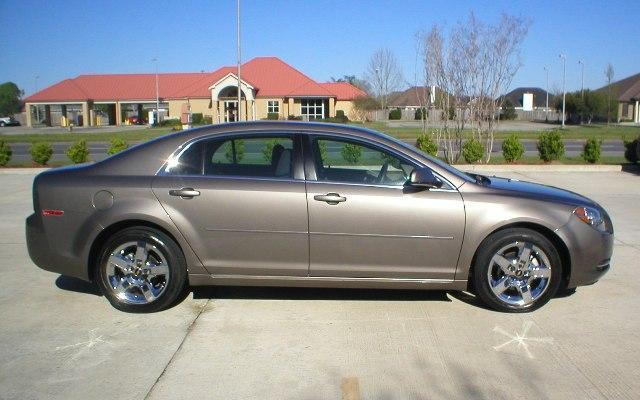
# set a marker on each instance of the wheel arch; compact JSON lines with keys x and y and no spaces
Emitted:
{"x":105,"y":234}
{"x":558,"y":243}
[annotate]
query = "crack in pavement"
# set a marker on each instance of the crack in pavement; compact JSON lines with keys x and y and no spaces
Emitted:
{"x":173,"y":356}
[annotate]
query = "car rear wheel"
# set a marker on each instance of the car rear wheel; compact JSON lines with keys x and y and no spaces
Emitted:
{"x":141,"y":270}
{"x":517,"y":270}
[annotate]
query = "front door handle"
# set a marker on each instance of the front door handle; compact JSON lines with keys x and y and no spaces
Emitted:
{"x":330,"y":198}
{"x":185,"y":193}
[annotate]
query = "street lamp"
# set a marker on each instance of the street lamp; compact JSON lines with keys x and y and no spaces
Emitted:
{"x":239,"y":58}
{"x":582,"y":79}
{"x":37,"y":107}
{"x":546,"y":89}
{"x":157,"y":118}
{"x":564,"y":74}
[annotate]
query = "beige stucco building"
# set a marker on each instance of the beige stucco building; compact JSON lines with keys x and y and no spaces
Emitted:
{"x":270,"y":88}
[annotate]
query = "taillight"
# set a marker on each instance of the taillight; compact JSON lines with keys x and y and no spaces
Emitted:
{"x":52,"y":213}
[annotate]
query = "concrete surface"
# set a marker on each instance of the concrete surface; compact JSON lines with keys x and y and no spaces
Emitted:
{"x":59,"y":340}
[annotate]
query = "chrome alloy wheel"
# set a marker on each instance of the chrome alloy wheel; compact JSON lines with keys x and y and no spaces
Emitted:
{"x":137,"y":272}
{"x":519,"y":273}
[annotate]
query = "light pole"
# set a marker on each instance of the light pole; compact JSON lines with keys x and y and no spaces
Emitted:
{"x":157,"y":118}
{"x":546,"y":89}
{"x":581,"y":79}
{"x":239,"y":58}
{"x":564,"y":73}
{"x":37,"y":107}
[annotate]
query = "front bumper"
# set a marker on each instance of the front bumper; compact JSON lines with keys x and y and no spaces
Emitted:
{"x":590,"y":252}
{"x":46,"y":256}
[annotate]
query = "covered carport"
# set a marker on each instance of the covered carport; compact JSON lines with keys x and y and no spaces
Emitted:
{"x":57,"y":113}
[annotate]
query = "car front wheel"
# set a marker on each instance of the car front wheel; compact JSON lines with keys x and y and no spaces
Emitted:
{"x":141,"y":270}
{"x":517,"y":270}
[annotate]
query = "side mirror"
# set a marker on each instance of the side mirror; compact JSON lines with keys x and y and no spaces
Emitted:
{"x":423,"y":177}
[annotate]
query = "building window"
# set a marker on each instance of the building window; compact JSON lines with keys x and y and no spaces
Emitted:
{"x":273,"y":107}
{"x":312,"y":108}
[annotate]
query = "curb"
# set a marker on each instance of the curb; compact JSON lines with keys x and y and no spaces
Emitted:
{"x":21,"y":171}
{"x":540,"y":168}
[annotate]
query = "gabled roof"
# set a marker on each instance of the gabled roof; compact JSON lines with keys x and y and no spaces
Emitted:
{"x":539,"y":96}
{"x":344,"y":90}
{"x":413,"y":97}
{"x":270,"y":76}
{"x":627,"y":89}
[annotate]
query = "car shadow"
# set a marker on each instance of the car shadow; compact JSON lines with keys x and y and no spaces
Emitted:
{"x":296,"y":293}
{"x":77,"y":285}
{"x":631,"y":168}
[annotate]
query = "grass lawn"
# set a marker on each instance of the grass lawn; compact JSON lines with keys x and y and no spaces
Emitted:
{"x":130,"y":136}
{"x":572,"y":132}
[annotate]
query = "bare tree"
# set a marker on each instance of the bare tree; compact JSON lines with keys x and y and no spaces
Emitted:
{"x":384,"y":75}
{"x":609,"y":74}
{"x":473,"y":67}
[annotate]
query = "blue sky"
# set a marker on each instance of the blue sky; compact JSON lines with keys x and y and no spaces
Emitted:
{"x":62,"y":39}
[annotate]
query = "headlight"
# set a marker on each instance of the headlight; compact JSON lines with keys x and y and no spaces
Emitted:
{"x":591,"y":216}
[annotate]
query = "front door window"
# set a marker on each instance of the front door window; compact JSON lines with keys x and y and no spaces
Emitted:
{"x":230,"y":111}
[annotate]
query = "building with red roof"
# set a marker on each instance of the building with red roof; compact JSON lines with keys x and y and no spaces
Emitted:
{"x":270,"y":88}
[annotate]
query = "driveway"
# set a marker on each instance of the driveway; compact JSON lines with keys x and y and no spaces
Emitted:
{"x":60,"y":340}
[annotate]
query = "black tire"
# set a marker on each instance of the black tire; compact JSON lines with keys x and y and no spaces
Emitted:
{"x":169,"y":249}
{"x":498,"y":240}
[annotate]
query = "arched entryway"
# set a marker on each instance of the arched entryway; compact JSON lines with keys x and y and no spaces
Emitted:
{"x":224,"y":94}
{"x":228,"y":98}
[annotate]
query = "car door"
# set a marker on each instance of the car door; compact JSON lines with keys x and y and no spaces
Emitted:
{"x":240,"y":202}
{"x":364,"y":222}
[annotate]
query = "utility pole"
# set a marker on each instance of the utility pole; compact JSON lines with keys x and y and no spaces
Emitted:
{"x":564,"y":74}
{"x":581,"y":79}
{"x":239,"y":58}
{"x":157,"y":118}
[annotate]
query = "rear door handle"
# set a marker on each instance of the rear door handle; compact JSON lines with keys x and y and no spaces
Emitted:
{"x":185,"y":193}
{"x":330,"y":198}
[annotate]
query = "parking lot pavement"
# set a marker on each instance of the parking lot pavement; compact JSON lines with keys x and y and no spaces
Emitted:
{"x":58,"y":339}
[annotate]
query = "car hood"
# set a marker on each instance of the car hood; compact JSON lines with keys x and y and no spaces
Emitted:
{"x":537,"y":191}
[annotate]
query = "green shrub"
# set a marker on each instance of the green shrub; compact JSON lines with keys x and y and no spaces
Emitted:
{"x":351,"y":153}
{"x":5,"y":153}
{"x":508,"y":111}
{"x":550,"y":146}
{"x":170,"y":122}
{"x":425,"y":143}
{"x":117,"y":145}
{"x":512,"y":148}
{"x":632,"y":150}
{"x":592,"y":150}
{"x":41,"y":153}
{"x":207,"y":120}
{"x":294,"y":118}
{"x":78,"y":152}
{"x":395,"y":114}
{"x":324,"y":151}
{"x":239,"y":147}
{"x":420,"y":114}
{"x":273,"y":116}
{"x":197,"y":119}
{"x":267,"y":152}
{"x":341,"y":116}
{"x":472,"y":151}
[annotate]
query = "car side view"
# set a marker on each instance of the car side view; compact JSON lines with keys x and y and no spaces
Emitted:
{"x":313,"y":205}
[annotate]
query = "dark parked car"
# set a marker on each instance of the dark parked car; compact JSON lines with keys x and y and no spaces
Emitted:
{"x":307,"y":204}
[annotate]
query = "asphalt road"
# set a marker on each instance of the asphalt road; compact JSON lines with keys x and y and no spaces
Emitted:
{"x":60,"y":340}
{"x":99,"y":150}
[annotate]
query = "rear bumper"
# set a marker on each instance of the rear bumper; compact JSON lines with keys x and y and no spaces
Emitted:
{"x":590,"y":252}
{"x":46,"y":256}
